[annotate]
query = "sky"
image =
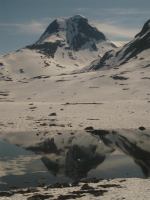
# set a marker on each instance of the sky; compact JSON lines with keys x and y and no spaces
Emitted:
{"x":23,"y":21}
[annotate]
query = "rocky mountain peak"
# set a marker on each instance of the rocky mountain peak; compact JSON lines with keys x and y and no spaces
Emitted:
{"x":70,"y":36}
{"x":145,"y":29}
{"x":131,"y":50}
{"x":79,"y":32}
{"x":75,"y":31}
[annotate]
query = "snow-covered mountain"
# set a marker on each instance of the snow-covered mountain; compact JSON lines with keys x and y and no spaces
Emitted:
{"x":74,"y":33}
{"x":137,"y":51}
{"x":67,"y":44}
{"x":39,"y":105}
{"x":116,"y":97}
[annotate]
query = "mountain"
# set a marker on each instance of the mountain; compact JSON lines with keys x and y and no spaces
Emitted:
{"x":74,"y":33}
{"x":67,"y":44}
{"x":41,"y":106}
{"x":138,"y":50}
{"x":115,"y":94}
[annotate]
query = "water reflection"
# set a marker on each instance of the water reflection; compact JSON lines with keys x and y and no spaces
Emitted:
{"x":21,"y":168}
{"x":76,"y":156}
{"x":73,"y":156}
{"x":133,"y":147}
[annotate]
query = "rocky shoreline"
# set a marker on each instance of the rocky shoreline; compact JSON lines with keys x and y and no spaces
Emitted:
{"x":115,"y":189}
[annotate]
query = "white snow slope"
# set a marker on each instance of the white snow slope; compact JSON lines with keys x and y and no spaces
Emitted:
{"x":33,"y":86}
{"x":64,"y":46}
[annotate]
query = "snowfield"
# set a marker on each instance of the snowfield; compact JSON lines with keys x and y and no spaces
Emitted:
{"x":79,"y":85}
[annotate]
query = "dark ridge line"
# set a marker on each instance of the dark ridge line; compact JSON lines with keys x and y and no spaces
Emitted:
{"x":86,"y":103}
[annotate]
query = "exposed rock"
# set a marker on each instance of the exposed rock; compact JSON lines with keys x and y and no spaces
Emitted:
{"x":6,"y":193}
{"x":86,"y":187}
{"x":142,"y":128}
{"x":77,"y":34}
{"x":52,"y":114}
{"x":140,"y":43}
{"x":40,"y":197}
{"x":117,"y":77}
{"x":47,"y":48}
{"x":89,"y":128}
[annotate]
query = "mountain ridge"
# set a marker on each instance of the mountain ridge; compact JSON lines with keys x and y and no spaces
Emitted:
{"x":73,"y":33}
{"x":129,"y":51}
{"x":67,"y":44}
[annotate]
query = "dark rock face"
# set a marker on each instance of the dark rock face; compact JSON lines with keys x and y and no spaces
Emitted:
{"x":77,"y":42}
{"x":52,"y":28}
{"x":137,"y":46}
{"x":145,"y":28}
{"x":77,"y":31}
{"x":90,"y":31}
{"x":140,"y":43}
{"x":79,"y":160}
{"x":85,"y":33}
{"x":96,"y":65}
{"x":47,"y":48}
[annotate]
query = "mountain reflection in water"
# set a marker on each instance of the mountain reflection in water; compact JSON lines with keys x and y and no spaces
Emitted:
{"x":98,"y":154}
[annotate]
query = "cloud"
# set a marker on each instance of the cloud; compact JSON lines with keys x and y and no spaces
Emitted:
{"x":114,"y":31}
{"x":111,"y":28}
{"x":117,"y":23}
{"x":82,"y":9}
{"x":30,"y":28}
{"x":126,"y":11}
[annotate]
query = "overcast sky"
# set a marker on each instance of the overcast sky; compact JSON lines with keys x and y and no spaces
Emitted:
{"x":23,"y":21}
